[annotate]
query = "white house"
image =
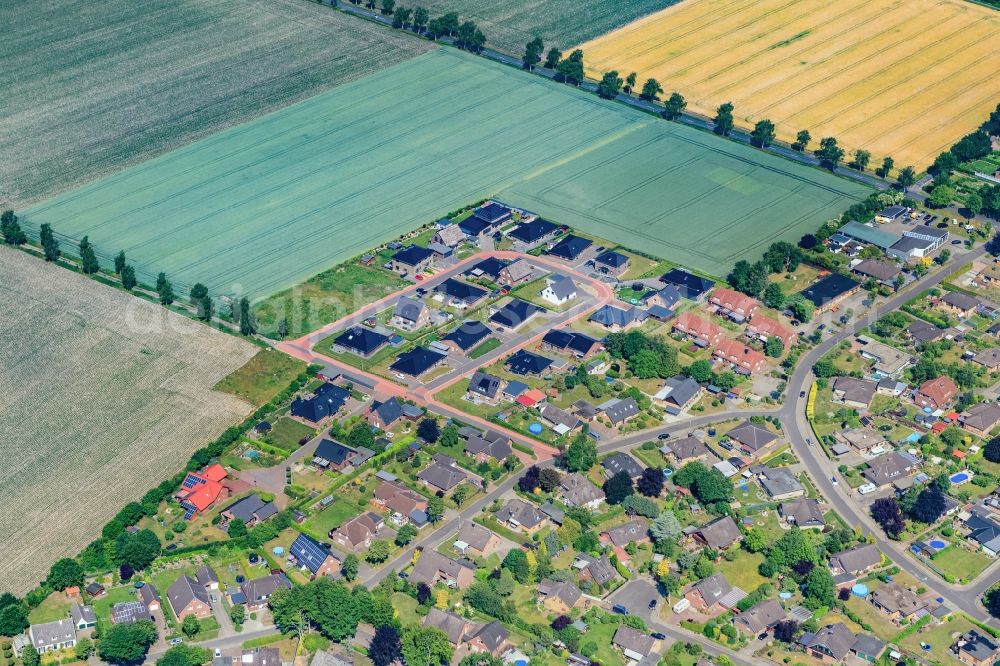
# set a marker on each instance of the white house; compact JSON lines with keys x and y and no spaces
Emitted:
{"x":559,"y":289}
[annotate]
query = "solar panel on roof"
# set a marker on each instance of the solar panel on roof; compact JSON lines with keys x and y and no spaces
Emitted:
{"x":190,"y":482}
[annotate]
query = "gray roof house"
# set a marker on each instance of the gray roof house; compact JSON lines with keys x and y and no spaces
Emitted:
{"x":780,"y":484}
{"x":760,"y":617}
{"x":257,"y":591}
{"x":830,"y":643}
{"x":519,"y":513}
{"x":577,"y":490}
{"x":635,"y":530}
{"x":856,"y":560}
{"x":484,"y":385}
{"x":804,"y":512}
{"x":636,"y":645}
{"x":719,"y":534}
{"x":442,"y":475}
{"x":685,"y":449}
{"x":52,"y":635}
{"x":490,"y":444}
{"x":622,"y":410}
{"x":251,"y":510}
{"x":83,"y":616}
{"x":751,"y":437}
{"x":622,"y":462}
{"x":678,"y":393}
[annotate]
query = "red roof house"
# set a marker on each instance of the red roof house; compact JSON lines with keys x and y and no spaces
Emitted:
{"x":936,"y":393}
{"x":530,"y":398}
{"x":200,"y":490}
{"x":739,"y":305}
{"x":745,"y":361}
{"x":703,"y":331}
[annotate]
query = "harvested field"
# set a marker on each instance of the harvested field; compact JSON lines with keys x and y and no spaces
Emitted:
{"x":93,"y":86}
{"x":102,"y":396}
{"x":511,"y":24}
{"x":684,"y":195}
{"x":261,"y":207}
{"x":905,"y":79}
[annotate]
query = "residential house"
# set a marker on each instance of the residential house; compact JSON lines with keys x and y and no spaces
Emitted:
{"x":358,"y":533}
{"x":982,"y":418}
{"x":453,"y":626}
{"x":485,"y":219}
{"x":432,"y":567}
{"x":515,"y":314}
{"x":577,"y":490}
{"x":741,"y":358}
{"x":417,"y":361}
{"x":188,"y":597}
{"x":410,"y":314}
{"x":612,"y":263}
{"x":829,"y":644}
{"x":636,"y":645}
{"x":559,"y":597}
{"x":569,"y":247}
{"x":976,"y":649}
{"x":560,"y":420}
{"x":984,"y":531}
{"x":331,"y":455}
{"x":701,"y":331}
{"x":897,"y":602}
{"x":411,"y":260}
{"x":664,"y":299}
{"x":855,"y":561}
{"x":597,"y":570}
{"x":862,"y":440}
{"x":890,"y":468}
{"x":83,"y":616}
{"x":488,"y":446}
{"x":616,"y":319}
{"x":521,"y":515}
{"x":713,"y":593}
{"x":719,"y":534}
{"x":315,"y":557}
{"x":733,"y":304}
{"x":361,"y":341}
{"x":129,"y":612}
{"x":681,"y":451}
{"x":760,"y":618}
{"x":256,"y":591}
{"x":691,"y":286}
{"x":442,"y":474}
{"x":779,"y":483}
{"x":534,"y":231}
{"x":201,"y":490}
{"x":468,"y":335}
{"x":568,"y":341}
{"x":883,"y":272}
{"x":621,"y":462}
{"x":149,"y":596}
{"x":476,"y":540}
{"x":401,"y":501}
{"x":484,"y":388}
{"x":207,"y":578}
{"x":936,"y":393}
{"x":325,"y":401}
{"x":959,"y":303}
{"x":829,"y":292}
{"x":384,"y":414}
{"x":490,"y":638}
{"x":752,"y":439}
{"x":764,"y":328}
{"x":921,"y":332}
{"x":868,"y":648}
{"x":620,"y":411}
{"x":559,"y":290}
{"x":460,"y":294}
{"x":887,"y":361}
{"x":853,"y":392}
{"x":251,"y":510}
{"x":988,"y":358}
{"x":515,"y":273}
{"x":523,"y":362}
{"x":450,"y":236}
{"x":678,"y":394}
{"x":803,"y":512}
{"x":634,"y":531}
{"x":52,"y":636}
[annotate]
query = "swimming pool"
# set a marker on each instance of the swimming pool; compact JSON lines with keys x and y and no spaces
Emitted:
{"x":937,"y":544}
{"x":959,"y":478}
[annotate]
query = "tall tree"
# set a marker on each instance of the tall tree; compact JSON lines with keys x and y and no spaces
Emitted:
{"x":401,"y":17}
{"x":552,"y":58}
{"x":651,"y":482}
{"x":533,"y":53}
{"x":651,"y":90}
{"x":247,"y":324}
{"x":886,"y":513}
{"x":861,"y":159}
{"x":829,"y":153}
{"x":385,"y":645}
{"x":907,"y":176}
{"x":425,"y":646}
{"x":630,"y":83}
{"x":428,"y":430}
{"x":883,"y":171}
{"x":617,"y":488}
{"x":349,"y":568}
{"x":88,"y":259}
{"x":610,"y":85}
{"x":570,"y":69}
{"x":50,"y":246}
{"x":420,"y":18}
{"x":763,"y":134}
{"x":65,"y":572}
{"x":120,"y":262}
{"x":581,"y":454}
{"x":723,"y":121}
{"x":11,"y":230}
{"x":126,"y":644}
{"x":164,"y":289}
{"x":802,"y":139}
{"x":128,"y":277}
{"x":674,"y":106}
{"x":388,"y":6}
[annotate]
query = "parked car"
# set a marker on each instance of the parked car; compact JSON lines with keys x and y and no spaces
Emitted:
{"x":176,"y":641}
{"x":652,"y":604}
{"x":621,"y":610}
{"x":663,"y":435}
{"x":802,"y":394}
{"x":659,"y":636}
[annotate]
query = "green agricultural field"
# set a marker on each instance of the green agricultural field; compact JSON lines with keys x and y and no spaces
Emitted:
{"x":260,"y":207}
{"x":511,"y":24}
{"x":92,"y":87}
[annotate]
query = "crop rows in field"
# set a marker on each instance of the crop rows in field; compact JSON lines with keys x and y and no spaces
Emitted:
{"x":261,"y":207}
{"x":894,"y":77}
{"x":510,"y":24}
{"x":102,"y":396}
{"x":89,"y":87}
{"x":677,"y":193}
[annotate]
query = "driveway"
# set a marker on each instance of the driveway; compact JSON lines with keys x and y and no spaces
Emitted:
{"x":635,"y":595}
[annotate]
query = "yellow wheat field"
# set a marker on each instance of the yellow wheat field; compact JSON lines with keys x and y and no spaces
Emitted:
{"x":905,"y":78}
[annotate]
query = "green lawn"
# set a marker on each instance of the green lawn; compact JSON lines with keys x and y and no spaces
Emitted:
{"x":331,"y":518}
{"x":938,"y":637}
{"x":406,"y":609}
{"x":55,"y":607}
{"x":286,"y":433}
{"x":960,"y":562}
{"x":115,"y":595}
{"x":485,"y":347}
{"x":742,"y":572}
{"x":601,"y":634}
{"x":266,"y":375}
